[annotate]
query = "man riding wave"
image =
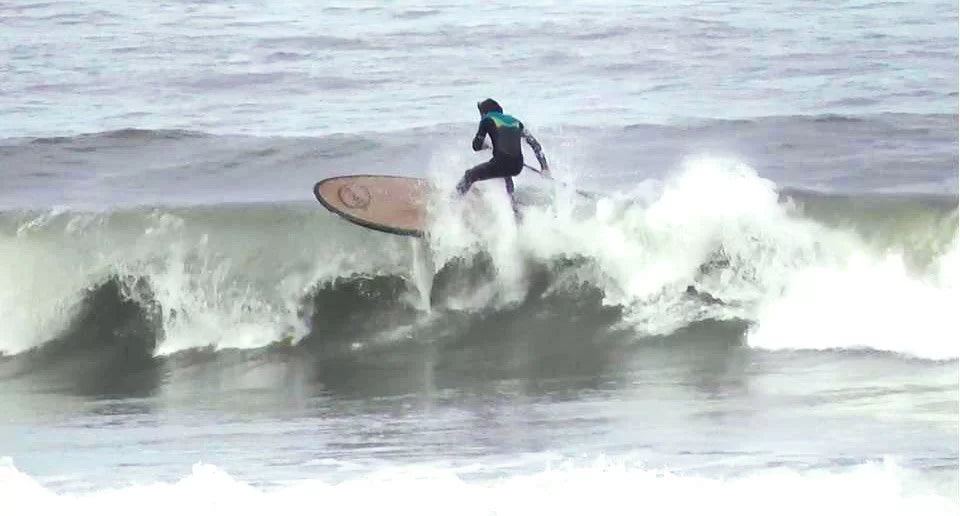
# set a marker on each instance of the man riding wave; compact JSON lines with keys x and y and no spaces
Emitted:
{"x":505,"y":132}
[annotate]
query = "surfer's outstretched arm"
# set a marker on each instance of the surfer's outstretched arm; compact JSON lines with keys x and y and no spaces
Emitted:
{"x":538,"y":150}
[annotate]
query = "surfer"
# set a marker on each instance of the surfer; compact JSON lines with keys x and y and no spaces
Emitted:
{"x":505,"y":132}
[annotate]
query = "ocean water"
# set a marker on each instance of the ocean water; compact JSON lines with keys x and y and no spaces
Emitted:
{"x":739,"y":293}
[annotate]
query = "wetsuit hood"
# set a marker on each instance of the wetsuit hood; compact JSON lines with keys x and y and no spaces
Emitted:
{"x":489,"y":105}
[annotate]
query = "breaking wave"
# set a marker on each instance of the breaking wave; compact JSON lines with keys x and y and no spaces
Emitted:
{"x":713,"y":242}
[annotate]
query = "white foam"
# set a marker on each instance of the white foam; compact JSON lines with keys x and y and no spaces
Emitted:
{"x":481,"y":220}
{"x":606,"y":487}
{"x":865,"y":303}
{"x":646,"y":254}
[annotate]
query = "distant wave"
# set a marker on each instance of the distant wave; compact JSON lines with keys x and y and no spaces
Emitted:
{"x":893,"y":153}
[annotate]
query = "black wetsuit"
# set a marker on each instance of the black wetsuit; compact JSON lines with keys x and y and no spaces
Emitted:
{"x":505,"y":132}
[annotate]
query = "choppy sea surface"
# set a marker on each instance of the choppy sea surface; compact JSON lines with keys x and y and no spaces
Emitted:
{"x":738,"y":293}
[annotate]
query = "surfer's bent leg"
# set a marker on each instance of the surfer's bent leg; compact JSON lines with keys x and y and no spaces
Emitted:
{"x":489,"y":170}
{"x":480,"y":172}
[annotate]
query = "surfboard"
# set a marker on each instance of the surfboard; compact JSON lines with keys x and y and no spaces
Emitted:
{"x":392,"y":204}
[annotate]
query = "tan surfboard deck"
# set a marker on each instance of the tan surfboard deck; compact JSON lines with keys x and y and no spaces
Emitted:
{"x":392,"y":204}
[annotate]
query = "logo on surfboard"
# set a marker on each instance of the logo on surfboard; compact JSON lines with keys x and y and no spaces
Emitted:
{"x":354,"y":196}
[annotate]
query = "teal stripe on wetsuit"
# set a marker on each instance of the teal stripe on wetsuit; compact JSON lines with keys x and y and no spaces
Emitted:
{"x":502,"y":120}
